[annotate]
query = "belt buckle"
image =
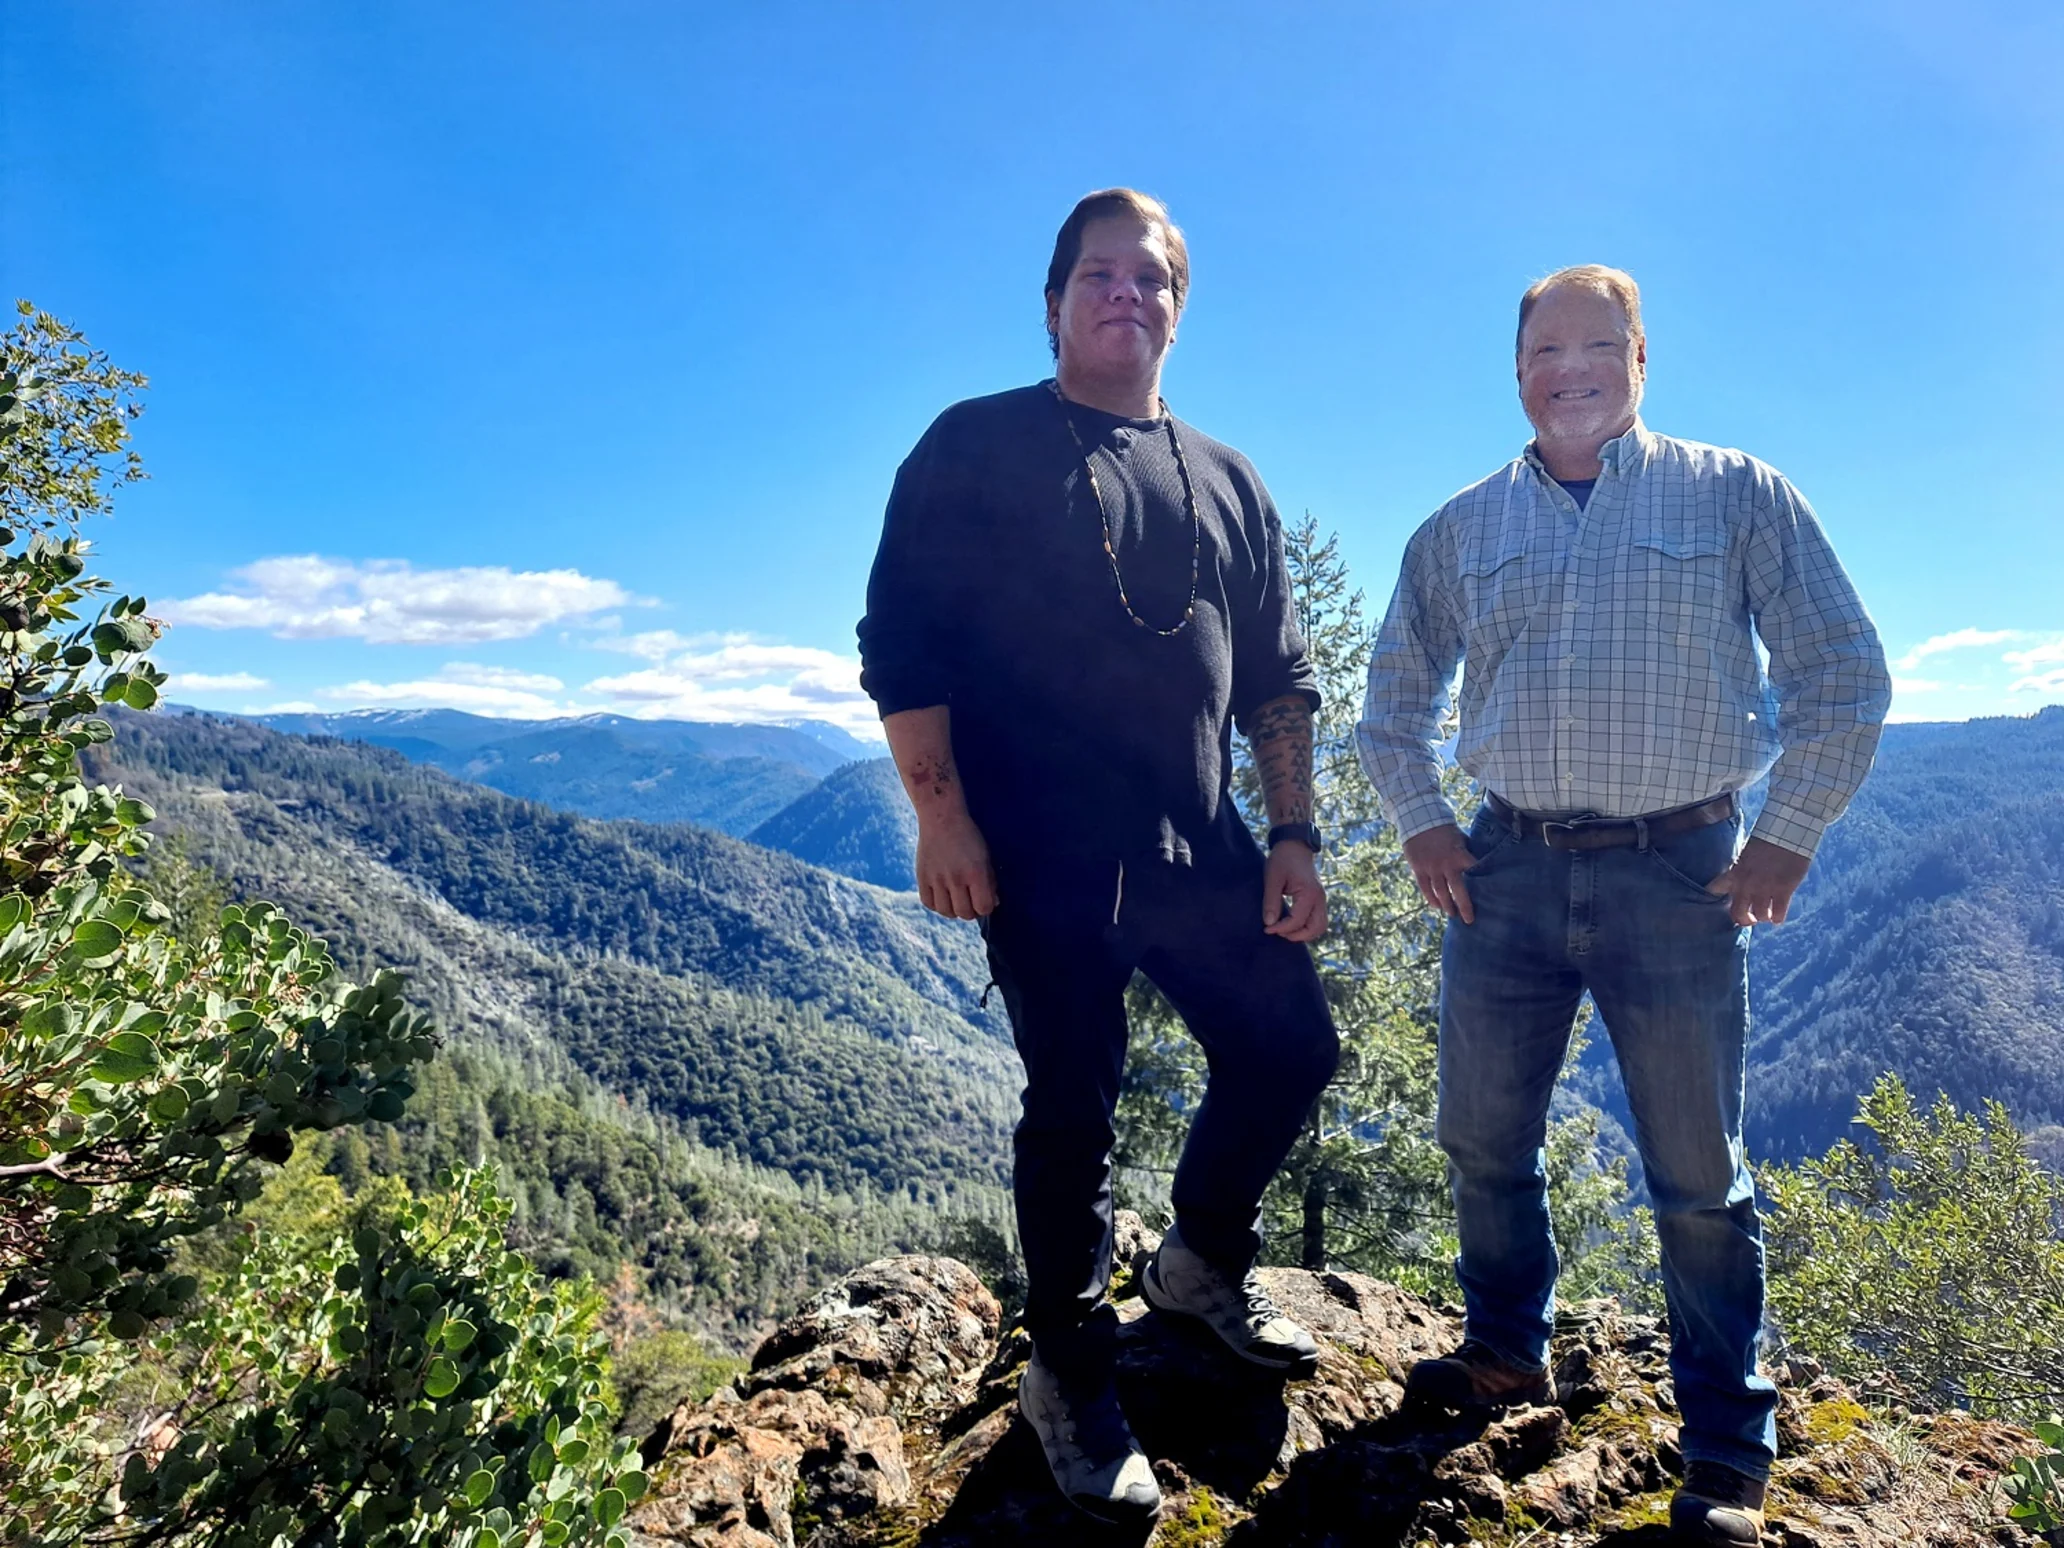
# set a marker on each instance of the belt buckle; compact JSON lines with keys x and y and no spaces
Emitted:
{"x":1575,"y":824}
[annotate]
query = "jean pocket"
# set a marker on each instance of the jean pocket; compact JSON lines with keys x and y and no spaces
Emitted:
{"x":1708,"y":851}
{"x":1486,"y":842}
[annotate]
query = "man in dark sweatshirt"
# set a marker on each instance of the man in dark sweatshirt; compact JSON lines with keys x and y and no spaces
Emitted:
{"x":1076,"y":598}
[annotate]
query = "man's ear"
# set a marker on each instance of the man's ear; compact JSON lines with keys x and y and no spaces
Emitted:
{"x":1053,"y":314}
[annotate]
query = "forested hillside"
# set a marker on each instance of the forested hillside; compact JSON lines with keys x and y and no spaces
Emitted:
{"x":628,"y":1007}
{"x":858,"y":822}
{"x":727,"y":777}
{"x":609,"y":1188}
{"x":830,"y":1033}
{"x":1928,"y":939}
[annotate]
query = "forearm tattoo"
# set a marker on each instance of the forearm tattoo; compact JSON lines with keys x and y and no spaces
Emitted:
{"x":1282,"y":742}
{"x":931,"y":775}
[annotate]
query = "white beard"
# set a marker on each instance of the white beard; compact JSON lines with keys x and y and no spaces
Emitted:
{"x":1587,"y":419}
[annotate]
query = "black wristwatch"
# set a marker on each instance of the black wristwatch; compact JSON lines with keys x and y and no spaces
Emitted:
{"x":1306,"y":833}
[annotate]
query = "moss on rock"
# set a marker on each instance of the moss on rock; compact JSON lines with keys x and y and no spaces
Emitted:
{"x":1832,"y":1422}
{"x":1642,"y":1511}
{"x":1200,"y":1522}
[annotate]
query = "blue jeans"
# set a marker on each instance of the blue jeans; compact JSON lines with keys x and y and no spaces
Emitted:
{"x":1668,"y":971}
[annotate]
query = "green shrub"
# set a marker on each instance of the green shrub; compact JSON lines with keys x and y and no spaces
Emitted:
{"x":2037,"y":1487}
{"x":400,"y":1379}
{"x":1930,"y":1252}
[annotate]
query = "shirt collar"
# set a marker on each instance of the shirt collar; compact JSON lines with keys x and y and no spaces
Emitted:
{"x":1629,"y":453}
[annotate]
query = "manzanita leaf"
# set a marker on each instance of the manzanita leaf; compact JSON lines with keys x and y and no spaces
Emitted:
{"x":443,"y":1379}
{"x":96,"y":941}
{"x":128,"y":1056}
{"x":169,"y":1105}
{"x":385,"y":1106}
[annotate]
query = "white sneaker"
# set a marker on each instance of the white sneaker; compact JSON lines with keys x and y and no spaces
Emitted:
{"x":1177,"y":1281}
{"x":1089,"y":1446}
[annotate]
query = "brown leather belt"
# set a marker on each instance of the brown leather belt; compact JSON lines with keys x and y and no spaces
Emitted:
{"x":1610,"y":832}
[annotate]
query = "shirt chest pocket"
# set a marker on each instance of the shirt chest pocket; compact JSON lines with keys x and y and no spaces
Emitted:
{"x":1501,"y":586}
{"x":1676,"y":580}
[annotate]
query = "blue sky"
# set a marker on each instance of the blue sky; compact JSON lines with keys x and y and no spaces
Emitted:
{"x":541,"y":358}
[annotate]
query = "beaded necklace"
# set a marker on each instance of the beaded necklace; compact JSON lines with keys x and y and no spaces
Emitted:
{"x":1104,"y":517}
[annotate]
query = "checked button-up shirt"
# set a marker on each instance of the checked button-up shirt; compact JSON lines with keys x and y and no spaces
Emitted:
{"x":1609,"y":655}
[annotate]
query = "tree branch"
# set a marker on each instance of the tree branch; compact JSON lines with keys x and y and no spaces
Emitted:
{"x":47,"y":1166}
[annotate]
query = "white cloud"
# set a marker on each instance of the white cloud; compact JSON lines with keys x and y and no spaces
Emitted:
{"x":1956,"y":639}
{"x":658,"y":644}
{"x":739,"y":661}
{"x":390,"y":602}
{"x":498,"y":677}
{"x":1916,"y":685}
{"x":2050,"y":682}
{"x":215,"y":682}
{"x":736,"y":678}
{"x":464,"y":685}
{"x":2038,"y":655}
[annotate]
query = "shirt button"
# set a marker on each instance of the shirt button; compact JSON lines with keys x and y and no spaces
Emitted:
{"x":1570,"y":606}
{"x":1569,"y":661}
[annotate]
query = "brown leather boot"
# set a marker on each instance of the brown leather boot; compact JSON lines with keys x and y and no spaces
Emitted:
{"x":1474,"y":1376}
{"x":1718,"y":1505}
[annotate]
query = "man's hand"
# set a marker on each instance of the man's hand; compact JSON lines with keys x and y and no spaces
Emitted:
{"x":1281,"y":733}
{"x":1293,"y":873}
{"x":1759,"y":885}
{"x":954,"y":876}
{"x":1438,"y":857}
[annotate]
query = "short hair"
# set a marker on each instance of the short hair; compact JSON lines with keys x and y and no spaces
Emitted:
{"x":1117,"y":201}
{"x":1616,"y":283}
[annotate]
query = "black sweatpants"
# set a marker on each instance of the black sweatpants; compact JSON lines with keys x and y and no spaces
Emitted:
{"x":1062,"y":955}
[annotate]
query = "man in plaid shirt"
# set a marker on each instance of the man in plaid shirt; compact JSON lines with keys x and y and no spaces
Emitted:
{"x":1604,"y":595}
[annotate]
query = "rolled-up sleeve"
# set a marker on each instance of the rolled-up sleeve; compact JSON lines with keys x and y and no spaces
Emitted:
{"x":1827,"y":671}
{"x":1270,"y":660}
{"x":906,"y":637}
{"x":1411,"y":669}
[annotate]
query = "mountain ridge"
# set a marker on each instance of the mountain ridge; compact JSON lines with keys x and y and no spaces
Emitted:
{"x":856,"y":821}
{"x":728,"y":776}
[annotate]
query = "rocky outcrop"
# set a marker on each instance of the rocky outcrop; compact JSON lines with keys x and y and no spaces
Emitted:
{"x":813,"y":1439}
{"x":884,"y":1413}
